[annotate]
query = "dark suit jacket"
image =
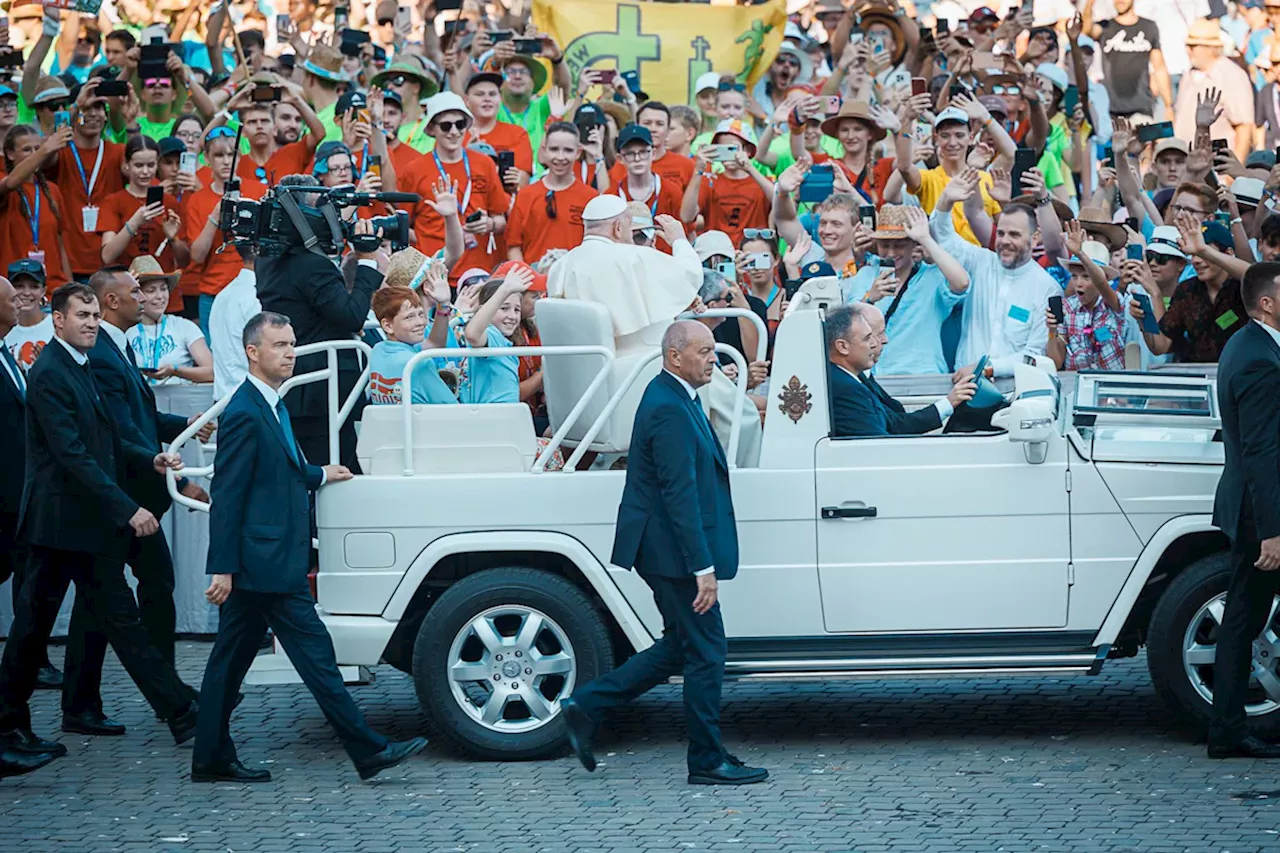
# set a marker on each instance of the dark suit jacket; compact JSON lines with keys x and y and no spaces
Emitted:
{"x":676,"y":516}
{"x":71,"y":499}
{"x":856,"y":410}
{"x":13,"y":447}
{"x":132,"y":405}
{"x":310,"y":291}
{"x":1248,"y":499}
{"x":882,"y":395}
{"x":260,"y":520}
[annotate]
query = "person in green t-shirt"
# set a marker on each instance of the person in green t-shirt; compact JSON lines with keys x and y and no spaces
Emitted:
{"x":523,"y":76}
{"x":321,"y":74}
{"x":411,"y":78}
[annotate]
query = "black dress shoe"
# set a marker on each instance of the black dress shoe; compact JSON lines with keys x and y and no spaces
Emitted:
{"x":729,"y":774}
{"x":91,"y":723}
{"x":29,"y":743}
{"x":581,"y":730}
{"x":233,"y":772}
{"x":391,"y":755}
{"x":49,"y":678}
{"x":16,"y":763}
{"x":183,"y":726}
{"x":1247,"y":747}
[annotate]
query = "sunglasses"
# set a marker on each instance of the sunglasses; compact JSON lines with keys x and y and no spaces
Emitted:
{"x":787,"y":59}
{"x":1006,"y":90}
{"x":446,"y":126}
{"x":158,"y":83}
{"x":398,"y":80}
{"x":731,"y":87}
{"x":551,"y":204}
{"x":1154,"y":258}
{"x":759,"y":233}
{"x":56,"y":106}
{"x":222,"y":132}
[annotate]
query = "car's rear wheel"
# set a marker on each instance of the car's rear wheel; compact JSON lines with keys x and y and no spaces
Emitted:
{"x":496,"y":655}
{"x":1182,"y":647}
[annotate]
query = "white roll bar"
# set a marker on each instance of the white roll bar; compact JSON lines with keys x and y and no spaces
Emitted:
{"x":762,"y":347}
{"x":337,"y":416}
{"x":406,"y":387}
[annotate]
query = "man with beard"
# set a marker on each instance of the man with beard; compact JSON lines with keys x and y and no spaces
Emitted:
{"x":1004,"y":315}
{"x":268,"y":159}
{"x":411,"y":78}
{"x":86,"y":171}
{"x":522,"y":76}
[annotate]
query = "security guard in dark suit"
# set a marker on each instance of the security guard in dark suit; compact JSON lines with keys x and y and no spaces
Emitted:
{"x":676,"y":528}
{"x":259,"y":554}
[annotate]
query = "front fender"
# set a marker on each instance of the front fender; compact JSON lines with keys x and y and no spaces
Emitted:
{"x":1170,"y":532}
{"x":490,"y":541}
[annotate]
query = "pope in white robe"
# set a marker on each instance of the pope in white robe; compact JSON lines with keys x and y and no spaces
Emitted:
{"x":644,"y":290}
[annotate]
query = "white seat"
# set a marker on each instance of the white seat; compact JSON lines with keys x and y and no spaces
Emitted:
{"x":565,"y":378}
{"x":484,"y":439}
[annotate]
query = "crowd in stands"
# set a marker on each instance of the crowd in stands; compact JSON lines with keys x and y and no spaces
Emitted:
{"x":1086,"y":181}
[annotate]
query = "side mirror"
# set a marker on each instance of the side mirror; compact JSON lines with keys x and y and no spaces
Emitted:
{"x":1029,"y":421}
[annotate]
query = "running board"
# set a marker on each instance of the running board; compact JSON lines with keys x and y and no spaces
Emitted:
{"x":1089,"y":662}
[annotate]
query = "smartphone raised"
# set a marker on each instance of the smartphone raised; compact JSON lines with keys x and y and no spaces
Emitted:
{"x":1133,"y":252}
{"x":155,"y":195}
{"x":759,"y":261}
{"x":264,"y":94}
{"x":188,"y":162}
{"x":112,"y":89}
{"x":475,"y":217}
{"x":817,"y":185}
{"x":499,"y":36}
{"x":943,"y":27}
{"x":1150,"y":325}
{"x":606,"y":76}
{"x":61,"y":118}
{"x":867,"y":216}
{"x":1152,"y":132}
{"x":919,"y":86}
{"x":528,"y":47}
{"x":374,"y":165}
{"x":722,"y":153}
{"x":1023,"y":159}
{"x":1070,"y":100}
{"x":505,"y":160}
{"x":831,"y":104}
{"x":1059,"y":313}
{"x":283,"y":23}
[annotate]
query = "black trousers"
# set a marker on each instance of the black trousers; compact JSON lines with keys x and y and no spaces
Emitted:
{"x":242,"y":623}
{"x":13,"y":564}
{"x":109,"y":603}
{"x":691,"y":645}
{"x":1249,"y":598}
{"x":152,"y":565}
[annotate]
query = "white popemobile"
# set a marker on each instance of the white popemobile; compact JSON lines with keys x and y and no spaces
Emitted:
{"x":1080,"y":533}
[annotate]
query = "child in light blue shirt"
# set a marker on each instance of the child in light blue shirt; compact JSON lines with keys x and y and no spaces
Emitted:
{"x":404,"y":320}
{"x":495,"y":379}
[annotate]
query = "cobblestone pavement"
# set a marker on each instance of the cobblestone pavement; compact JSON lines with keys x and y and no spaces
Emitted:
{"x":913,"y":765}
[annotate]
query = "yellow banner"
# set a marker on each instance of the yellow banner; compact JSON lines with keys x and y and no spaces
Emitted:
{"x":670,"y":45}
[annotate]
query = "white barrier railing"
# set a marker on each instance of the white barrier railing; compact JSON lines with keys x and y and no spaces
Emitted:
{"x":762,"y":345}
{"x":337,"y":416}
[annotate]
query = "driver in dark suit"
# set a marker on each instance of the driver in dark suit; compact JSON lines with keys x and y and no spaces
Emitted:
{"x":858,"y":404}
{"x":676,"y":528}
{"x":1247,"y":506}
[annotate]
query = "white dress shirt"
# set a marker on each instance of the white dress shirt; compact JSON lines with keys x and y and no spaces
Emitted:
{"x":117,"y":337}
{"x":79,"y":357}
{"x":693,"y":395}
{"x":1274,"y":333}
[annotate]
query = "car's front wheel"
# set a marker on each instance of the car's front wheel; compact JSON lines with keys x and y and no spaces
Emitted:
{"x":496,"y":655}
{"x":1182,"y":647}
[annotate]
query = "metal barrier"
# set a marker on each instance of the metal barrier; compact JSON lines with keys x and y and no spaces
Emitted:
{"x":337,"y":416}
{"x":762,"y":346}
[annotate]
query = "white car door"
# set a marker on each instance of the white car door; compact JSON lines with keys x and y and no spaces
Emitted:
{"x":941,"y":533}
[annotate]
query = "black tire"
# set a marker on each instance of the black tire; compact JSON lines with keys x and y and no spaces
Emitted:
{"x":1185,"y":595}
{"x":559,"y":600}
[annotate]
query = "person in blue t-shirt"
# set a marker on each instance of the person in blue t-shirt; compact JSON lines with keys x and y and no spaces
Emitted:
{"x":403,"y":318}
{"x":495,"y":379}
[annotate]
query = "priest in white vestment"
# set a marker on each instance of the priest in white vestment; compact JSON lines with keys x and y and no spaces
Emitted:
{"x":644,"y":290}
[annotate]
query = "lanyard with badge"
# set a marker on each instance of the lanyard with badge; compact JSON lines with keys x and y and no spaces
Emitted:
{"x":657,"y":190}
{"x":155,"y":342}
{"x":34,"y":221}
{"x":89,"y":213}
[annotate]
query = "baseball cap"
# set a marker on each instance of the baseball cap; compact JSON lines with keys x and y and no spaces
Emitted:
{"x":1170,"y":143}
{"x":1248,"y":191}
{"x":28,"y":267}
{"x":1216,"y":234}
{"x":171,"y":145}
{"x":710,"y":80}
{"x":634,"y":133}
{"x":393,"y":97}
{"x":712,"y":243}
{"x":470,"y":276}
{"x":816,"y":269}
{"x":951,"y":114}
{"x":995,"y":105}
{"x":984,"y":13}
{"x":351,"y":99}
{"x":6,"y":92}
{"x":539,"y":280}
{"x":1165,"y":241}
{"x":484,"y":77}
{"x":324,"y":152}
{"x":1054,"y":74}
{"x":1263,"y":159}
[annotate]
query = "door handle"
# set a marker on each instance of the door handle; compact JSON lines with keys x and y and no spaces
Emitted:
{"x":848,"y":512}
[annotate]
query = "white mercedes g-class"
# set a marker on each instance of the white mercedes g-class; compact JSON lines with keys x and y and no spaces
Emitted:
{"x":1079,"y":533}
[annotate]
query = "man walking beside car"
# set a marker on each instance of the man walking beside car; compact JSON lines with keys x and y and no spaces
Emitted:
{"x":1247,"y":506}
{"x":676,"y":528}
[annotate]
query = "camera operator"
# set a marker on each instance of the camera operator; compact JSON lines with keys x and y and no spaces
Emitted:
{"x":308,"y":288}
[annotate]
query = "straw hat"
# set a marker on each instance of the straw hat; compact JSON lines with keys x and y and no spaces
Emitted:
{"x":891,"y":223}
{"x":146,"y":268}
{"x":621,"y":115}
{"x":1098,"y":224}
{"x":404,"y":266}
{"x":859,"y":110}
{"x":1096,"y":252}
{"x":1204,"y":33}
{"x":325,"y":62}
{"x":50,"y":89}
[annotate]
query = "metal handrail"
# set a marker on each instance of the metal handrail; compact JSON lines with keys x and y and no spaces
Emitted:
{"x":762,"y":344}
{"x":337,"y":416}
{"x":406,"y":387}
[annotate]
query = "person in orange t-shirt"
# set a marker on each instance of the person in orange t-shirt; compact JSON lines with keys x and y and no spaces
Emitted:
{"x":86,"y":171}
{"x":673,"y":168}
{"x":268,"y":159}
{"x":740,"y":198}
{"x":130,"y":228}
{"x":639,"y":182}
{"x":31,"y":208}
{"x":481,"y":199}
{"x":200,"y":230}
{"x":404,"y":158}
{"x":548,"y":213}
{"x":484,"y":97}
{"x":179,"y":186}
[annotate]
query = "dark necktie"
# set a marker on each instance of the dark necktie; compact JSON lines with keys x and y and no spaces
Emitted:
{"x":16,"y":371}
{"x":287,"y":428}
{"x":128,"y":353}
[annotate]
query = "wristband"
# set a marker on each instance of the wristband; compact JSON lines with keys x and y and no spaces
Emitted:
{"x":1041,"y":202}
{"x":1237,"y":221}
{"x":224,"y":115}
{"x":129,"y":228}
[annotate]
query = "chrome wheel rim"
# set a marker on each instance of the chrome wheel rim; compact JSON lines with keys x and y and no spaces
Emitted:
{"x":1200,"y":647}
{"x":509,"y":668}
